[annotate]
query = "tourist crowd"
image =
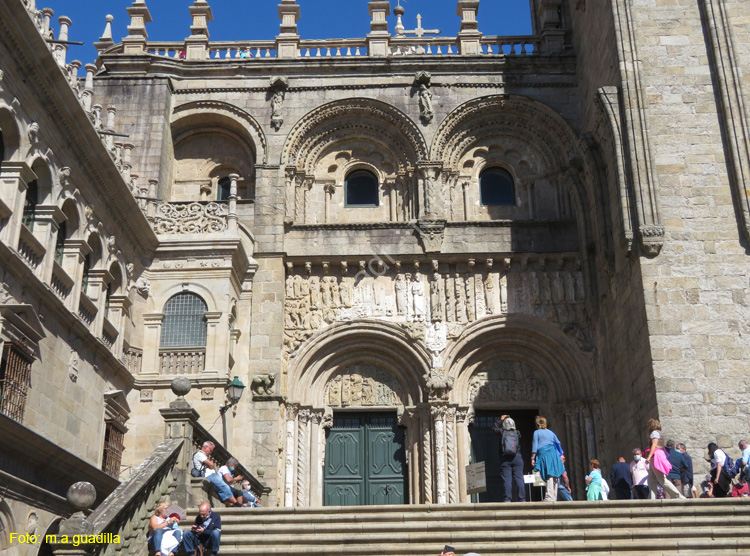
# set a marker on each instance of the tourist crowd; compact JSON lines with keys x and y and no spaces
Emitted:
{"x":661,"y":470}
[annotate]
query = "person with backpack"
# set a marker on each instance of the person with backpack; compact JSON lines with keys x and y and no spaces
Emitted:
{"x":511,"y":462}
{"x":721,"y":477}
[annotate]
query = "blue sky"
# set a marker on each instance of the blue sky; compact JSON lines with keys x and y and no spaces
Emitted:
{"x":258,"y":19}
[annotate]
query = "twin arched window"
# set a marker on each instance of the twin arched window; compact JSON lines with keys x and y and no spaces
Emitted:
{"x":184,"y":323}
{"x":361,"y":189}
{"x":496,"y":188}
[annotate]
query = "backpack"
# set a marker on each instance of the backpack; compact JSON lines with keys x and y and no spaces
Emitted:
{"x":509,"y":443}
{"x":730,"y":467}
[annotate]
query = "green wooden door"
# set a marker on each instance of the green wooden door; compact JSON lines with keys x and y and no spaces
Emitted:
{"x":365,"y":461}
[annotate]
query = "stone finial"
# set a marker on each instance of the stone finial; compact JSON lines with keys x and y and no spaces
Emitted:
{"x":378,"y":38}
{"x":287,"y":42}
{"x":399,"y":12}
{"x":81,"y":496}
{"x":105,"y":41}
{"x":65,"y":23}
{"x":202,"y":15}
{"x":181,"y":386}
{"x":47,"y":14}
{"x":90,"y":71}
{"x":469,"y":37}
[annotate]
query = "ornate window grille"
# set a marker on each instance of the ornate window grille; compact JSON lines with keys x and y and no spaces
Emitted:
{"x":113,"y":448}
{"x":15,"y":380}
{"x":184,"y":323}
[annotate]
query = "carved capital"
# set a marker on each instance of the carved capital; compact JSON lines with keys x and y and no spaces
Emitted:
{"x":652,"y":239}
{"x":432,"y":233}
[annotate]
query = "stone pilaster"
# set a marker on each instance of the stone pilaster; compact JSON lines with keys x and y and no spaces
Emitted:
{"x":469,"y":37}
{"x":135,"y":43}
{"x":196,"y":45}
{"x":287,"y":42}
{"x":378,"y":38}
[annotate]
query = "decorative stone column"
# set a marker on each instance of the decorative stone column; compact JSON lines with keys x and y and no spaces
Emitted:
{"x":289,"y":454}
{"x":378,"y":38}
{"x":469,"y":37}
{"x":303,"y":457}
{"x":426,"y":440}
{"x":317,"y":457}
{"x":46,"y":223}
{"x":74,"y":254}
{"x":150,"y":364}
{"x":179,"y":419}
{"x":98,"y":280}
{"x":289,"y":188}
{"x":287,"y":42}
{"x":438,"y":416}
{"x":463,"y":446}
{"x":217,"y":349}
{"x":196,"y":45}
{"x":14,"y":180}
{"x":232,"y":224}
{"x":135,"y":43}
{"x":451,"y":456}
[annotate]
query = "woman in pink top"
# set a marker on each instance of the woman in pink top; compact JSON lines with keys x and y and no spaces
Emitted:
{"x":659,"y":466}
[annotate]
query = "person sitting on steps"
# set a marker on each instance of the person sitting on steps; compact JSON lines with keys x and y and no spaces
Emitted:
{"x":205,"y":532}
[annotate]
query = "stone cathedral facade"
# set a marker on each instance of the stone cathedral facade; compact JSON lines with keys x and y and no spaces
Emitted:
{"x":390,"y":240}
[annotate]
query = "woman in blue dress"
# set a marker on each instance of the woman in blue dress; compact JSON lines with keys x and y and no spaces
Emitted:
{"x":594,"y":482}
{"x":545,"y":457}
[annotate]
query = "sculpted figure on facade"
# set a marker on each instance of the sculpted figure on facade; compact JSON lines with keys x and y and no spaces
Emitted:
{"x":417,"y":289}
{"x":425,"y":104}
{"x":436,"y":298}
{"x":401,"y":298}
{"x":363,"y":386}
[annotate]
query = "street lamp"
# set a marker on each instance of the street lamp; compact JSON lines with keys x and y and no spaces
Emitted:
{"x":234,"y":393}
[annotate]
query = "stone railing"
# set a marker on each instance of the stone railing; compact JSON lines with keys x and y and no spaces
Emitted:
{"x":220,"y":456}
{"x":490,"y":45}
{"x":132,"y":359}
{"x":86,"y":309}
{"x":30,"y":249}
{"x":109,"y":333}
{"x":125,"y":512}
{"x":61,"y":283}
{"x":188,"y":218}
{"x":182,"y":361}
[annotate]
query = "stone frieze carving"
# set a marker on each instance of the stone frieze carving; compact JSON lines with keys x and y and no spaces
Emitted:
{"x":436,"y":307}
{"x":190,"y":218}
{"x":363,"y":386}
{"x":507,"y":381}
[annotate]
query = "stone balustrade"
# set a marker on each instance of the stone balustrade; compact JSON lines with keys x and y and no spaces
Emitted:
{"x":87,"y":310}
{"x":132,"y":359}
{"x":490,"y":45}
{"x":30,"y":249}
{"x":182,"y":361}
{"x":62,"y":283}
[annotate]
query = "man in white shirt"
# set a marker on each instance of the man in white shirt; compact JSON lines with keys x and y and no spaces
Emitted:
{"x":745,"y":465}
{"x":204,"y":467}
{"x":639,"y":471}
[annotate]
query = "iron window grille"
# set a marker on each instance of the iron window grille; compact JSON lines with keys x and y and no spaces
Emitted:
{"x":184,"y":323}
{"x":15,"y":380}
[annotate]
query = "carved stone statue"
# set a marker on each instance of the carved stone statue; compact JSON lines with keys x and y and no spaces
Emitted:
{"x":417,"y":290}
{"x":263,"y":385}
{"x":401,"y":297}
{"x":425,"y":104}
{"x":277,"y":103}
{"x":436,"y":298}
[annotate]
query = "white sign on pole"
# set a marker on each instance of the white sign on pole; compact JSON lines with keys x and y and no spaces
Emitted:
{"x":476,"y":478}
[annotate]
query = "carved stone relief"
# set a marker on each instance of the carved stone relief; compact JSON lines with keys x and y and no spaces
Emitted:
{"x":507,"y":381}
{"x":363,"y":386}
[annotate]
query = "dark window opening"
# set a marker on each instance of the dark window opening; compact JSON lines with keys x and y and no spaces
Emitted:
{"x":361,"y":189}
{"x":15,"y":380}
{"x":29,"y":207}
{"x":497,"y":188}
{"x":62,"y":233}
{"x":225,"y":189}
{"x":86,"y":271}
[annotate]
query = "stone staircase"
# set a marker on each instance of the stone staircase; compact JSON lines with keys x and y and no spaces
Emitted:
{"x":664,"y":527}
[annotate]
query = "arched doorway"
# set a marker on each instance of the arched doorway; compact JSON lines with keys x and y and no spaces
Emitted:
{"x":355,"y":435}
{"x":522,"y":366}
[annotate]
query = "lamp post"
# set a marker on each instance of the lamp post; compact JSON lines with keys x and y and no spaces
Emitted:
{"x":234,"y":393}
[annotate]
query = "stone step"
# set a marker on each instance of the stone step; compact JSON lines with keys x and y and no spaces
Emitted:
{"x":668,"y":527}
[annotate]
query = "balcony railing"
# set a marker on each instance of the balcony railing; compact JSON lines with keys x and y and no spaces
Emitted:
{"x":109,"y":333}
{"x":61,"y":283}
{"x":30,"y":249}
{"x":182,"y":361}
{"x":187,"y":218}
{"x":132,"y":359}
{"x":86,"y":309}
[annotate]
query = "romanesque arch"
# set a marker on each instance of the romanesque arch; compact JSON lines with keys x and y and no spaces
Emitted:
{"x":364,"y":365}
{"x":333,"y":140}
{"x":212,"y":140}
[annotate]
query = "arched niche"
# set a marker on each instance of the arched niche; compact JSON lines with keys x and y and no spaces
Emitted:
{"x":336,"y":139}
{"x":369,"y":349}
{"x":212,"y":140}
